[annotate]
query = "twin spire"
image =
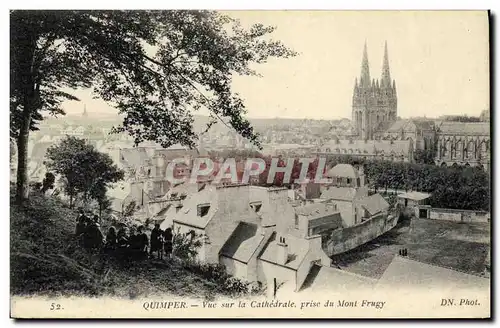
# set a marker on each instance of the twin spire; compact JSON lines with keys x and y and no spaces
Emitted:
{"x":385,"y":81}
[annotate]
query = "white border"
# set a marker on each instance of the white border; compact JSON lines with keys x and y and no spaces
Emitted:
{"x":192,"y":4}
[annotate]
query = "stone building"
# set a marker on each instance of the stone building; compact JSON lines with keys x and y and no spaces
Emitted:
{"x":373,"y":103}
{"x":463,"y":143}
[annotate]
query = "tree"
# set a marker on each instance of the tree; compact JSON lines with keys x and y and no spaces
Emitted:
{"x":424,"y":156}
{"x":130,"y":209}
{"x":84,"y":170}
{"x":48,"y":182}
{"x":155,"y":67}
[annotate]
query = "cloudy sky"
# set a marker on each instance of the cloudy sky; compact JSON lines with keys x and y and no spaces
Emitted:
{"x":439,"y":59}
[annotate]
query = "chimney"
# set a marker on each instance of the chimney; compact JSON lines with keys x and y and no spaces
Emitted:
{"x":282,"y":251}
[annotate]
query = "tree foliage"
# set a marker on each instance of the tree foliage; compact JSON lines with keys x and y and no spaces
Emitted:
{"x":155,"y":67}
{"x":48,"y":182}
{"x":84,"y":170}
{"x":424,"y":156}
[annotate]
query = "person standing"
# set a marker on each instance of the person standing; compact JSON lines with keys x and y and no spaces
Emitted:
{"x":134,"y":244}
{"x":156,"y":241}
{"x":122,"y":243}
{"x":143,"y":243}
{"x":111,"y":240}
{"x":168,"y":242}
{"x":93,"y":236}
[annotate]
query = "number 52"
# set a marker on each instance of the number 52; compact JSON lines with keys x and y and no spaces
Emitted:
{"x":55,"y":306}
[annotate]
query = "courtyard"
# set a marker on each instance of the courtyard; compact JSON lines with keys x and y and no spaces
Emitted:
{"x":459,"y":246}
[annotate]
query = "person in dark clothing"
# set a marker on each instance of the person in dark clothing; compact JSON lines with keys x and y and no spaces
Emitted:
{"x":81,"y":225}
{"x":156,"y":241}
{"x":111,"y":240}
{"x":142,"y":243}
{"x":134,"y":244}
{"x":93,"y":237}
{"x":122,"y":243}
{"x":168,"y":242}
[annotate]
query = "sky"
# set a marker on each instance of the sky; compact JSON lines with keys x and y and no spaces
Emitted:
{"x":439,"y":59}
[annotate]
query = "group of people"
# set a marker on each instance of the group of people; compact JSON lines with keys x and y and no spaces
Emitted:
{"x":88,"y":231}
{"x":125,"y":244}
{"x":161,"y":242}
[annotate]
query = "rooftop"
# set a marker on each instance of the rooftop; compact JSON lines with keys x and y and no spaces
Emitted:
{"x":243,"y":242}
{"x":297,"y":250}
{"x":462,"y":128}
{"x":414,"y":195}
{"x":343,"y":171}
{"x":374,"y":204}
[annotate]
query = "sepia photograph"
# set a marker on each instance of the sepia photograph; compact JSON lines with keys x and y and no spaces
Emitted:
{"x":250,"y":164}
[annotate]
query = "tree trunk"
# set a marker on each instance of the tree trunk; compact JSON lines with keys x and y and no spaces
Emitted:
{"x":22,"y":187}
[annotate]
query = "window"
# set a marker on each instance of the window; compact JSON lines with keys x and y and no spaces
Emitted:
{"x":348,"y":181}
{"x":178,"y":208}
{"x":256,"y":206}
{"x":296,"y":221}
{"x":203,"y":210}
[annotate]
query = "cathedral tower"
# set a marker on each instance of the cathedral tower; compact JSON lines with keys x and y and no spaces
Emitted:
{"x":374,"y":103}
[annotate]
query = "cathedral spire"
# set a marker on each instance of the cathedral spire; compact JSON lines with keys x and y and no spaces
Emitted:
{"x":365,"y":70}
{"x":386,"y":74}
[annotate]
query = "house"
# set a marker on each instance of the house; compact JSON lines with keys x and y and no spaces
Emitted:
{"x":417,"y":203}
{"x":296,"y":245}
{"x":214,"y":212}
{"x":136,"y":162}
{"x":347,"y":187}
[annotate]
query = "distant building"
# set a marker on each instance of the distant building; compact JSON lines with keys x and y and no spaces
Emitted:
{"x":376,"y":132}
{"x":485,"y":116}
{"x":389,"y":150}
{"x":421,"y":132}
{"x":463,"y":144}
{"x":374,"y":103}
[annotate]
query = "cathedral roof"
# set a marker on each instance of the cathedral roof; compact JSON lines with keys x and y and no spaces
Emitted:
{"x":465,"y":128}
{"x":397,"y":126}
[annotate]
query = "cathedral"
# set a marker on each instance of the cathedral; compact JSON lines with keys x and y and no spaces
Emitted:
{"x":374,"y":102}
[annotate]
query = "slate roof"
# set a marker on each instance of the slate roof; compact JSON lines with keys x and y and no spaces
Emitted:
{"x":339,"y":193}
{"x":374,"y":204}
{"x":397,"y":126}
{"x":465,"y":128}
{"x":271,"y":211}
{"x":134,"y":156}
{"x":243,"y":242}
{"x":297,"y":251}
{"x":414,"y":195}
{"x":424,"y":125}
{"x":343,"y":171}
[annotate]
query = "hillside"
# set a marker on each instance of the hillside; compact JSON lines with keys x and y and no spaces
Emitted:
{"x":46,"y":260}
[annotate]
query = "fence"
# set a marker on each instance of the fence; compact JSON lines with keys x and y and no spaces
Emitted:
{"x":456,"y":215}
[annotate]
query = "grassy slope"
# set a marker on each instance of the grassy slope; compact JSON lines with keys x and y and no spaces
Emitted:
{"x":45,"y":259}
